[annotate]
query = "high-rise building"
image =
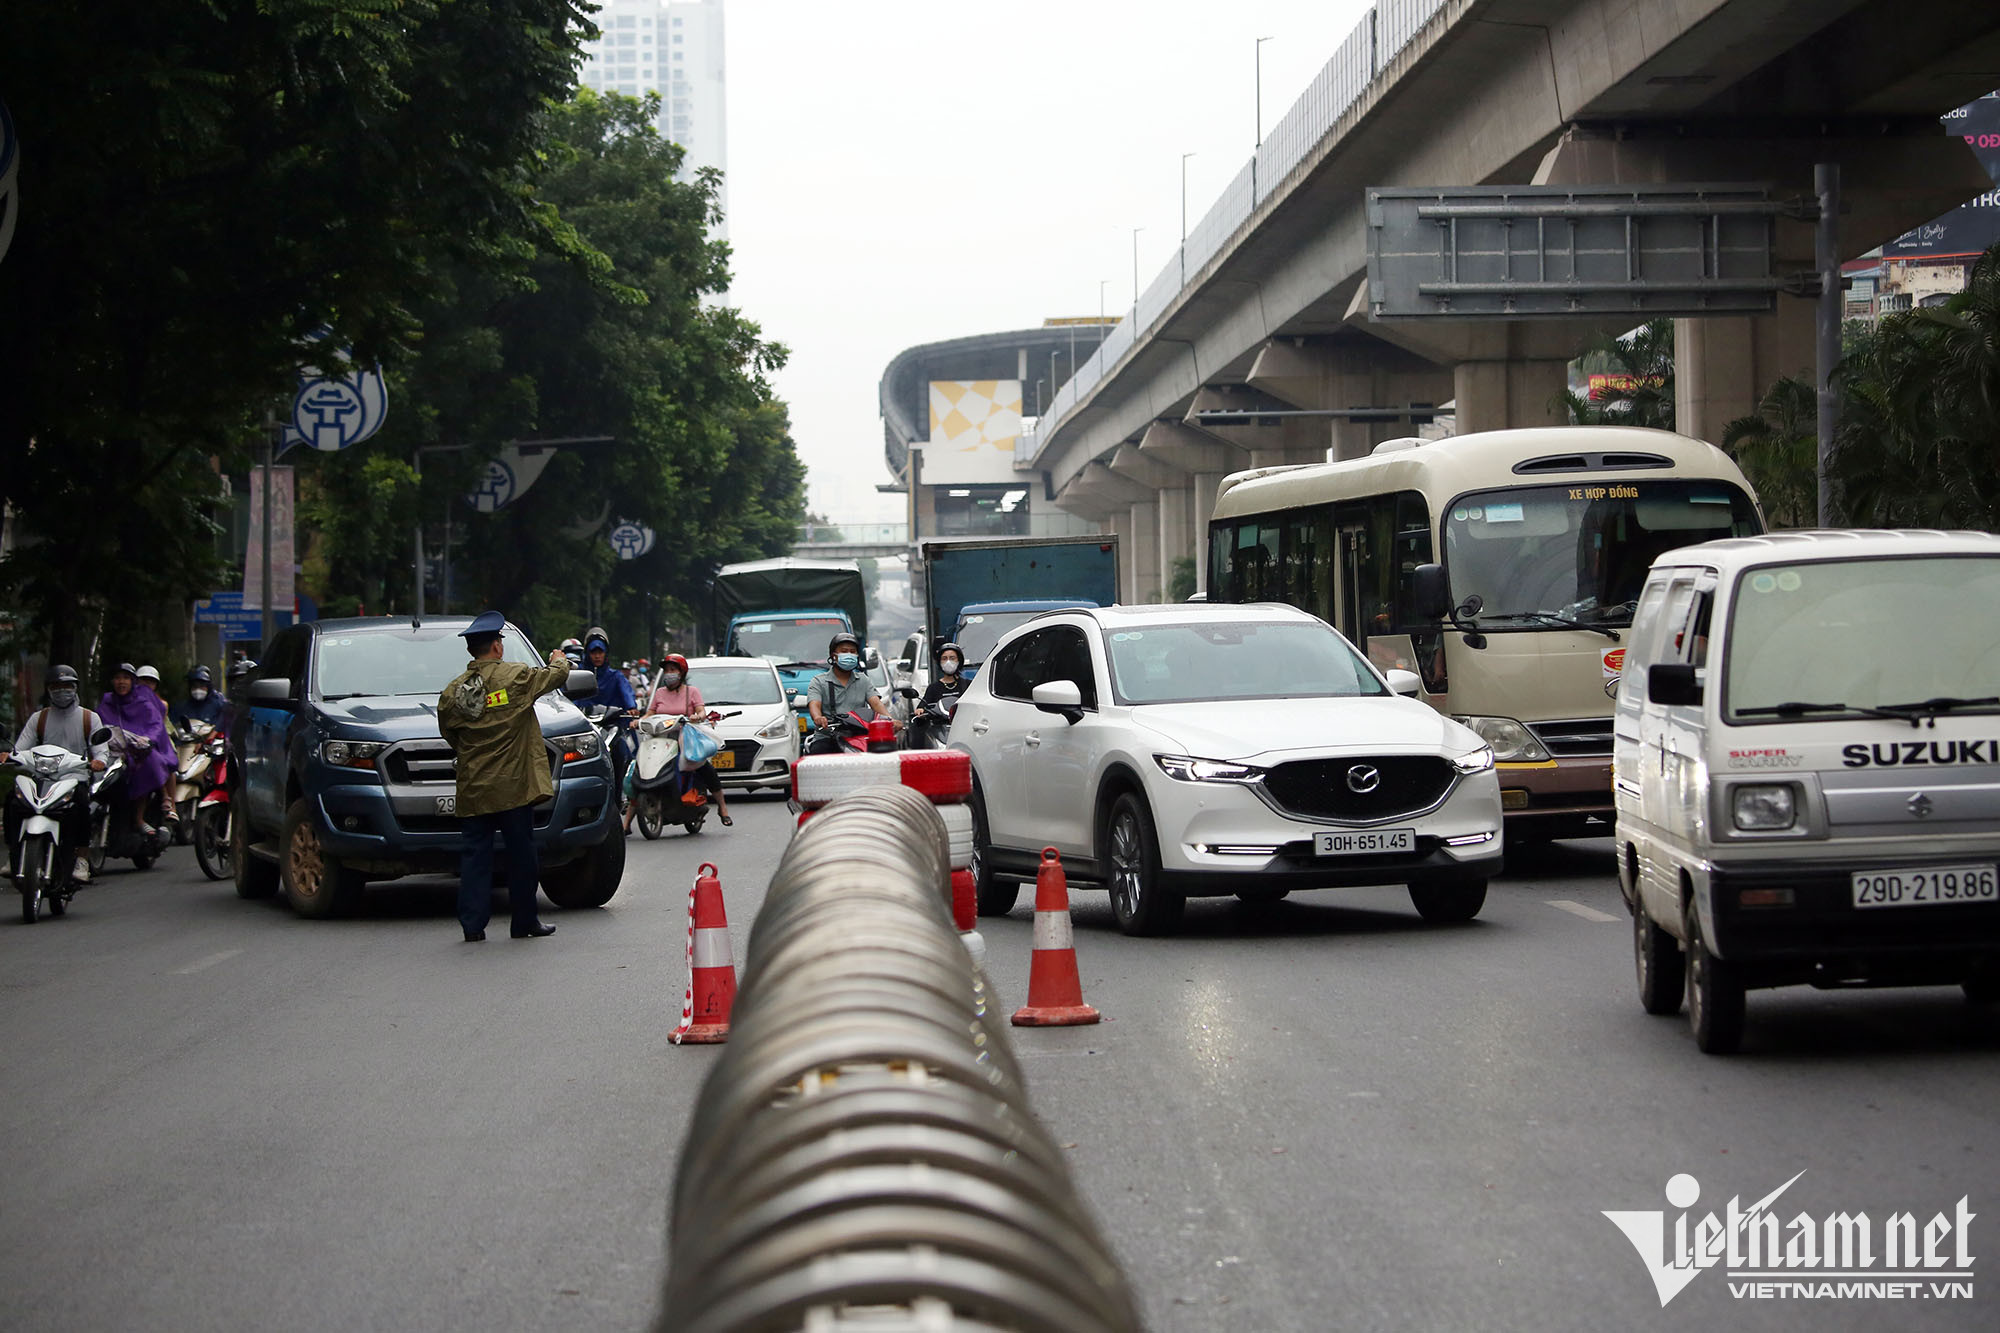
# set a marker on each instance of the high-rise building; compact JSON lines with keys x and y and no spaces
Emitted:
{"x":675,"y":50}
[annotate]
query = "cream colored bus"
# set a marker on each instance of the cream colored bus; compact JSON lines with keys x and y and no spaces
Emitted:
{"x":1503,"y":568}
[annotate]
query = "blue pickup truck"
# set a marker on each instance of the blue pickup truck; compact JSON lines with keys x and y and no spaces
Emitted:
{"x":339,"y":774}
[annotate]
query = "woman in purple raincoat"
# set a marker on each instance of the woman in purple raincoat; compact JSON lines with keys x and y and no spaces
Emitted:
{"x":149,"y":759}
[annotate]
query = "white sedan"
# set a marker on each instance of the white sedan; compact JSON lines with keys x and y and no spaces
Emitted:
{"x":1169,"y":751}
{"x":759,"y":745}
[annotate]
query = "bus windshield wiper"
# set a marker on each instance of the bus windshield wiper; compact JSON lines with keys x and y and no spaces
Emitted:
{"x":1799,"y":707}
{"x":1553,"y":618}
{"x":1928,"y":709}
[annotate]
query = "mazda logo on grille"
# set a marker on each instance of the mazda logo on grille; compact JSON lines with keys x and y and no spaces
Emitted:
{"x":1363,"y":778}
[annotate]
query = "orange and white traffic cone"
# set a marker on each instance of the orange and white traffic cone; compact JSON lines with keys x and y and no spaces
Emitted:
{"x":1055,"y":992}
{"x":711,"y":968}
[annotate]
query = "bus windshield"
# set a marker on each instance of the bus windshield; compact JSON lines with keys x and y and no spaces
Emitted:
{"x":1540,"y":555}
{"x":785,"y":641}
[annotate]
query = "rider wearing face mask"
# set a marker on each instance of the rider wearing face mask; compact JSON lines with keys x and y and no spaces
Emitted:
{"x":673,"y":696}
{"x":843,"y":689}
{"x":202,"y":704}
{"x":950,"y":658}
{"x":65,"y":722}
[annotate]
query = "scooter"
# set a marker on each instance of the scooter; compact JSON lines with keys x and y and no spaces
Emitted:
{"x":195,"y":761}
{"x":211,"y":816}
{"x":841,"y":735}
{"x":114,"y":820}
{"x":49,"y":781}
{"x":663,"y":793}
{"x":931,"y":729}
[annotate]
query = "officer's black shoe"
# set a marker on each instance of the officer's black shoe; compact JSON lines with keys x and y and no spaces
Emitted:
{"x":475,"y":936}
{"x":535,"y":931}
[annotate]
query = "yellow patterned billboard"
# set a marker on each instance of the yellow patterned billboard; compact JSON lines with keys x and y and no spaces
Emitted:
{"x":974,"y":425}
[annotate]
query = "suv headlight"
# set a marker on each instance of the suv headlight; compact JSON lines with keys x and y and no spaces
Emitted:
{"x":1512,"y":743}
{"x":777,"y":728}
{"x":578,"y":746}
{"x":351,"y":754}
{"x":1764,"y":808}
{"x":1185,"y":768}
{"x":1474,"y":761}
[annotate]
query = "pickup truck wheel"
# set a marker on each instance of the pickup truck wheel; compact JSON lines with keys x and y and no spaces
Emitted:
{"x":315,"y":884}
{"x":1142,"y":904}
{"x":996,"y":897}
{"x":1448,"y":901}
{"x":588,"y":881}
{"x":254,"y":876}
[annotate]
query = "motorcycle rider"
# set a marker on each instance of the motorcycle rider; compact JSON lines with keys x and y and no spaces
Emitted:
{"x":950,"y":657}
{"x":149,"y":751}
{"x":201,"y":705}
{"x":238,"y":675}
{"x":676,"y":698}
{"x":842,"y":689}
{"x":613,"y":691}
{"x":65,"y":722}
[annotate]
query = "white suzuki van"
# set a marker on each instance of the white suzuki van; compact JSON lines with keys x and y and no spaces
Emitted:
{"x":1806,"y":763}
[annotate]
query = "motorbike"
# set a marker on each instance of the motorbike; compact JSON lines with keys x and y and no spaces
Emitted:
{"x":195,"y":759}
{"x":211,"y":816}
{"x":114,"y":820}
{"x":841,"y":735}
{"x":662,"y":792}
{"x":48,"y":783}
{"x":931,"y":729}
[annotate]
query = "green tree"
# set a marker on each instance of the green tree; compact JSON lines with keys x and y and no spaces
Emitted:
{"x":1778,"y":450}
{"x":1642,"y":392}
{"x":202,"y":186}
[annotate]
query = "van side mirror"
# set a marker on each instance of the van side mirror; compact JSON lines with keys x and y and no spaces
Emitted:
{"x":271,"y":692}
{"x":1061,"y":697}
{"x":1430,"y":595}
{"x":1673,"y":684}
{"x":580,"y":684}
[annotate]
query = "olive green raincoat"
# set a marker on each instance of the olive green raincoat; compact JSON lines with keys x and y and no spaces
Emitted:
{"x":487,"y":715}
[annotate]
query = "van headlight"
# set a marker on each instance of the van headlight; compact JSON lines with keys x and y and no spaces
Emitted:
{"x":1473,"y":761}
{"x":1764,"y":808}
{"x":351,"y":754}
{"x":1512,"y":743}
{"x":777,"y":728}
{"x":1185,"y":768}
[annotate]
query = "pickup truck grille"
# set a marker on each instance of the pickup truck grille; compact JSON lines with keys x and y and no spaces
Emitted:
{"x":1404,"y":784}
{"x":421,"y":762}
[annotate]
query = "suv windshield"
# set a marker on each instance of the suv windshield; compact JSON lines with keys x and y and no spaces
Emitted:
{"x":1237,"y":659}
{"x":401,"y":660}
{"x":721,"y":685}
{"x":1863,"y":634}
{"x":801,"y":640}
{"x":1579,"y":551}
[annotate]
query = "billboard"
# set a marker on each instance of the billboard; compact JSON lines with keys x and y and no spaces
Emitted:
{"x":1974,"y":226}
{"x":974,"y":426}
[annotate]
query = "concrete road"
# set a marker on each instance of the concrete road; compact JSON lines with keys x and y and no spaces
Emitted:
{"x":1320,"y":1114}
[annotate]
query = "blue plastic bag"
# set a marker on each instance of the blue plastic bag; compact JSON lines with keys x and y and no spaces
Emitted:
{"x":698,"y":744}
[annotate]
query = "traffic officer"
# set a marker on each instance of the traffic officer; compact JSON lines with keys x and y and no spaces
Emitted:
{"x":487,"y":716}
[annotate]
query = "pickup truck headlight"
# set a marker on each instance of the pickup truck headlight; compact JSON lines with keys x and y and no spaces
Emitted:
{"x":1764,"y":808}
{"x":1512,"y":743}
{"x":1473,"y":761}
{"x":777,"y":728}
{"x":578,"y":746}
{"x":351,"y":754}
{"x":1185,"y":768}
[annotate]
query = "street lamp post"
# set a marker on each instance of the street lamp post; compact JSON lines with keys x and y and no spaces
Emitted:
{"x":1258,"y":52}
{"x":1102,"y":283}
{"x":1135,"y":280}
{"x":1184,"y":158}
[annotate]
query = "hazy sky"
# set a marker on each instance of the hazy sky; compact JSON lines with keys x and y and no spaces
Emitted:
{"x":901,"y":173}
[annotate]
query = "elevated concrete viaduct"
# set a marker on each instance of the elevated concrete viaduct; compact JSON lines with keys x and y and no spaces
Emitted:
{"x":1265,"y":353}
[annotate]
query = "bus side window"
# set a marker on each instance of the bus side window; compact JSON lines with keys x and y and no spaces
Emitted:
{"x":1413,"y":548}
{"x":1309,"y":562}
{"x":1260,"y":579}
{"x":1222,"y":563}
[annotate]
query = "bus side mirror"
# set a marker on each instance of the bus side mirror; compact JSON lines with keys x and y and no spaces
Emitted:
{"x":1430,"y":596}
{"x":1673,"y":684}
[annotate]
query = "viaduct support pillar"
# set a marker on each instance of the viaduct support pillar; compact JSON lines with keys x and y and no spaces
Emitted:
{"x":1139,"y":539}
{"x":1498,"y":395}
{"x":1176,"y":533}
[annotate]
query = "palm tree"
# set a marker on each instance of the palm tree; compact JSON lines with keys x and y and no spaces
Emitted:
{"x":1642,"y":393}
{"x":1778,"y":450}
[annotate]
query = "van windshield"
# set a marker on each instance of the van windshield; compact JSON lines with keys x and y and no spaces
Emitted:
{"x":1579,"y":551}
{"x":1862,"y":634}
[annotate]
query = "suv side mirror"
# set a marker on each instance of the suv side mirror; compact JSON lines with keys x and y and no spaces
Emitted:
{"x":1674,"y":684}
{"x":271,"y":692}
{"x":1061,"y":697}
{"x":581,"y":684}
{"x":1430,"y":596}
{"x":1406,"y":683}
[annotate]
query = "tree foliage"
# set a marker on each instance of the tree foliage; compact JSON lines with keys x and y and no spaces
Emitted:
{"x":1641,"y":390}
{"x":1778,"y":449}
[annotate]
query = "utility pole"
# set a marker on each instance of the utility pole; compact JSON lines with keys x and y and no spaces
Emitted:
{"x":271,"y":429}
{"x":1826,"y":254}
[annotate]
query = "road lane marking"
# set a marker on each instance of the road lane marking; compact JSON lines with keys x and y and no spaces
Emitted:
{"x":203,"y":964}
{"x":1578,"y":909}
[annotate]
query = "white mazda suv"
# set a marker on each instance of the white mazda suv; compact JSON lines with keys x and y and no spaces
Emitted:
{"x":1169,"y":751}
